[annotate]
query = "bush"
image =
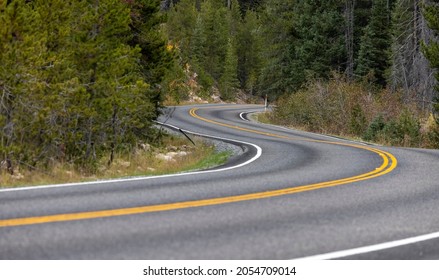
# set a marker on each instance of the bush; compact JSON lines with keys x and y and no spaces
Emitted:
{"x":351,"y":109}
{"x":358,"y":121}
{"x":375,"y":127}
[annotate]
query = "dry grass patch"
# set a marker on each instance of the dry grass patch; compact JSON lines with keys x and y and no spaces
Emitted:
{"x":174,"y":155}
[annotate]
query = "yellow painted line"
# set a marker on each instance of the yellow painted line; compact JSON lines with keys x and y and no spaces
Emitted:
{"x":384,"y":155}
{"x":389,"y":163}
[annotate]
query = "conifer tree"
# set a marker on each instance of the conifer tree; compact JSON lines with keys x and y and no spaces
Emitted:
{"x":375,"y":42}
{"x":431,"y":49}
{"x":21,"y":47}
{"x":249,"y":49}
{"x":410,"y":70}
{"x":180,"y":25}
{"x":306,"y":39}
{"x":197,"y":43}
{"x":229,"y":80}
{"x":235,"y":18}
{"x":118,"y":107}
{"x":278,"y":21}
{"x":155,"y":58}
{"x":216,"y":30}
{"x":75,"y":79}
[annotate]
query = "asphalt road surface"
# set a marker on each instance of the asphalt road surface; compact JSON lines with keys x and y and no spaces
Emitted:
{"x":288,"y":195}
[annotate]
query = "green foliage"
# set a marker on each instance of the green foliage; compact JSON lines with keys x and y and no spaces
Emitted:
{"x":209,"y":37}
{"x":375,"y":43}
{"x":403,"y":131}
{"x":431,"y":50}
{"x":358,"y":121}
{"x":181,"y":26}
{"x":75,"y":86}
{"x":216,"y":30}
{"x":306,"y":40}
{"x":374,"y":128}
{"x":249,"y":49}
{"x":339,"y":107}
{"x":277,"y":76}
{"x":155,"y":57}
{"x":229,"y":80}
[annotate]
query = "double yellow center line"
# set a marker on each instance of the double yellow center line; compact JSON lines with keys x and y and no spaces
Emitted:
{"x":389,"y":163}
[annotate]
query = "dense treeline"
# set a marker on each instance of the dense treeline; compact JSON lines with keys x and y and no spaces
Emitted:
{"x":280,"y":45}
{"x":385,"y":49}
{"x":219,"y":41}
{"x":78,"y":79}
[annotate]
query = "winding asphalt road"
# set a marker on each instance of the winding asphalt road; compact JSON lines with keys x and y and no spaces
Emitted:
{"x":289,"y":195}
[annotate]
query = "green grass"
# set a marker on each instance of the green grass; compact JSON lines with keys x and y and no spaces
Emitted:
{"x":263,"y":117}
{"x":215,"y":159}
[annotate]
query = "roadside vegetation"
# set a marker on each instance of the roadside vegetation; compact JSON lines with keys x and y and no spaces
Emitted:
{"x":173,"y":154}
{"x":353,"y":110}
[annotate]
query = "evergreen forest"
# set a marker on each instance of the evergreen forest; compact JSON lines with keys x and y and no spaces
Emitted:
{"x":81,"y":80}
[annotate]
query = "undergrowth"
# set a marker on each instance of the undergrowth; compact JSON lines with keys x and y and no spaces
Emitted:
{"x":355,"y":110}
{"x":144,"y":161}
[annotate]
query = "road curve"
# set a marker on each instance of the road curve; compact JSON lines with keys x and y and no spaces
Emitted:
{"x":290,"y":195}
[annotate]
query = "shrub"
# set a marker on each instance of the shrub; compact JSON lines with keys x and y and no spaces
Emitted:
{"x":375,"y":127}
{"x":358,"y":121}
{"x":351,"y":109}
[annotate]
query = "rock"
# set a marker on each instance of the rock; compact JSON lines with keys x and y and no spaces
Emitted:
{"x":216,"y":98}
{"x":125,"y":163}
{"x":172,"y":148}
{"x":145,"y":147}
{"x":182,"y":154}
{"x":164,"y":157}
{"x":17,"y":176}
{"x":172,"y":154}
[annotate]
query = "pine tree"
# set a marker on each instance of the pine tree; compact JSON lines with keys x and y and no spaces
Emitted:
{"x":349,"y":33}
{"x":278,"y":21}
{"x":118,"y":106}
{"x":22,"y":45}
{"x":409,"y":67}
{"x":155,"y":57}
{"x":249,"y":49}
{"x":73,"y":79}
{"x":229,"y":80}
{"x":180,"y":25}
{"x":198,"y":42}
{"x":431,"y":49}
{"x":375,"y":43}
{"x":216,"y":30}
{"x":198,"y":55}
{"x":235,"y":18}
{"x":306,"y":40}
{"x":320,"y":37}
{"x":250,"y":5}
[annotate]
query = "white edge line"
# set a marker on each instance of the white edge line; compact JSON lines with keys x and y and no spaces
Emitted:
{"x":258,"y":154}
{"x":313,"y":133}
{"x":372,"y":248}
